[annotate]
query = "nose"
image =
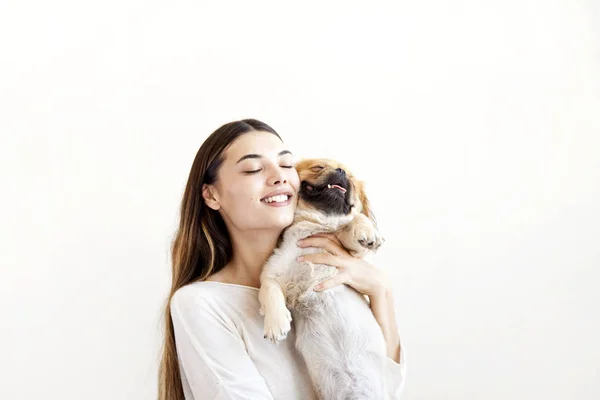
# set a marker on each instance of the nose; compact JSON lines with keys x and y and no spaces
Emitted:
{"x":277,"y":178}
{"x":341,"y":171}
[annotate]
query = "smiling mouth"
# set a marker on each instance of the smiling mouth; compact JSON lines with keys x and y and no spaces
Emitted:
{"x":280,"y":198}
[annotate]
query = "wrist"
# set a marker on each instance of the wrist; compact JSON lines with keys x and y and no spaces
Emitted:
{"x":382,"y":306}
{"x":381,"y":294}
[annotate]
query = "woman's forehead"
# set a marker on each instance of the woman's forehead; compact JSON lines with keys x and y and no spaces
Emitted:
{"x":264,"y":144}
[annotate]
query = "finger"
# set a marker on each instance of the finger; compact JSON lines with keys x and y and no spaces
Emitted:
{"x":332,"y":282}
{"x":323,"y":242}
{"x":321,"y":258}
{"x":328,"y":235}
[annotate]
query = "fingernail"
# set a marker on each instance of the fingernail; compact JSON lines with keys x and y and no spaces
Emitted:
{"x":300,"y":258}
{"x":318,"y":287}
{"x":300,"y":242}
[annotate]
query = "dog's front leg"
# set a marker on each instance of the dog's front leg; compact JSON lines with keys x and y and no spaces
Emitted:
{"x":272,"y":303}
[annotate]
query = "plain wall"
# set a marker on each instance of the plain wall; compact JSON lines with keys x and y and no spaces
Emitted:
{"x":475,"y":125}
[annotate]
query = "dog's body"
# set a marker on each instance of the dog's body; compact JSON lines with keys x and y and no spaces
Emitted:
{"x":336,"y":332}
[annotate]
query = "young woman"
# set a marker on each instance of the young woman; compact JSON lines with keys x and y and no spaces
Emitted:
{"x":214,"y":346}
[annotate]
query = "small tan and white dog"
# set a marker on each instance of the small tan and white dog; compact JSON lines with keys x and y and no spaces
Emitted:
{"x":336,"y":332}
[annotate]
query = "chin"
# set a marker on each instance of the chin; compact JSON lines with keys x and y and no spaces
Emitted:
{"x":285,"y":220}
{"x":280,"y":220}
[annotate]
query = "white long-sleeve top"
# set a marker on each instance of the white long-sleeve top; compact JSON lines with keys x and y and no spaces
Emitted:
{"x":222,"y":353}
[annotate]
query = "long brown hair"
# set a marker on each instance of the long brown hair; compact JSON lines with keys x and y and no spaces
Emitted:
{"x":201,"y":245}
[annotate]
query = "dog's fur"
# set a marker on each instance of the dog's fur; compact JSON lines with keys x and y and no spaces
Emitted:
{"x":336,"y":332}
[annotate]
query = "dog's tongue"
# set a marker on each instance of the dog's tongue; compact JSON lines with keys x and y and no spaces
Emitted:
{"x":339,"y":187}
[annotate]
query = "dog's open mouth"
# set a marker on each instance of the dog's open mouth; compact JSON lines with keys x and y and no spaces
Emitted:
{"x":338,"y":187}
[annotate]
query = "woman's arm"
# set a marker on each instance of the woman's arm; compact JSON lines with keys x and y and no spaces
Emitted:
{"x":212,"y":356}
{"x":384,"y":311}
{"x":382,"y":305}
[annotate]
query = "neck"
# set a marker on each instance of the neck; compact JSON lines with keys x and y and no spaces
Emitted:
{"x":250,"y":253}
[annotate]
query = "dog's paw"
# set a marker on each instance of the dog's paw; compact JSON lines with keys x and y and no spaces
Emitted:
{"x":369,"y":238}
{"x":277,"y":325}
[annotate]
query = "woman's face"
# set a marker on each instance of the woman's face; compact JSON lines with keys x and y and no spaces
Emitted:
{"x":256,"y":166}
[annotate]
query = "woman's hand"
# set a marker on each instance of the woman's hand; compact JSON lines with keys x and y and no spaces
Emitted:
{"x":352,"y":271}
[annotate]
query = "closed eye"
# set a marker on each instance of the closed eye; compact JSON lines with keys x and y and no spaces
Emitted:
{"x":316,"y":168}
{"x":258,"y":170}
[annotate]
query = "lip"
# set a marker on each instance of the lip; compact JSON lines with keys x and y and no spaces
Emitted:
{"x":275,"y":193}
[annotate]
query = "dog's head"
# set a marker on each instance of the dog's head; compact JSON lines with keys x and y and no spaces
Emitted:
{"x":329,"y":189}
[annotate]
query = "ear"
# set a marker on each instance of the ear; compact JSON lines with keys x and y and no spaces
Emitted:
{"x":209,"y":197}
{"x":366,"y":206}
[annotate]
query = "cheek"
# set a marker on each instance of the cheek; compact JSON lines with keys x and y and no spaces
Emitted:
{"x":295,"y":181}
{"x":241,"y":193}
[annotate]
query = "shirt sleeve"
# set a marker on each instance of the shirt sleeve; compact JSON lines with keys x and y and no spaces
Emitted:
{"x":212,"y":356}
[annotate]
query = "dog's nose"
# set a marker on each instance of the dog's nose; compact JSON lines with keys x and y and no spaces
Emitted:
{"x":341,"y":171}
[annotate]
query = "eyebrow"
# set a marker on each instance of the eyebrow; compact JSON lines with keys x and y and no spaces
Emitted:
{"x":259,"y":156}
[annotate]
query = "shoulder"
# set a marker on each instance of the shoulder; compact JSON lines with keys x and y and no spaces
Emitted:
{"x":201,"y":309}
{"x":196,"y":297}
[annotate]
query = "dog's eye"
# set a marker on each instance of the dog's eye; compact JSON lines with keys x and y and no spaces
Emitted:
{"x":316,"y":168}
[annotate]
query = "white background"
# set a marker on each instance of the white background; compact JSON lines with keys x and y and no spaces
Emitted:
{"x":476,"y":125}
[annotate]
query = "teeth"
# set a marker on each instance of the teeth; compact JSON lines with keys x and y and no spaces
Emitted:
{"x":329,"y":186}
{"x":280,"y":198}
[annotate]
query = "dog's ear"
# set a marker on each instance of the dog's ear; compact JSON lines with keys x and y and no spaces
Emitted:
{"x":366,"y":206}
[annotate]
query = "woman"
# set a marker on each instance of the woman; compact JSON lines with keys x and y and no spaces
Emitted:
{"x":214,"y":346}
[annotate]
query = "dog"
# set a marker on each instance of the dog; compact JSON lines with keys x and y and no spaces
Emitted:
{"x":336,"y":333}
